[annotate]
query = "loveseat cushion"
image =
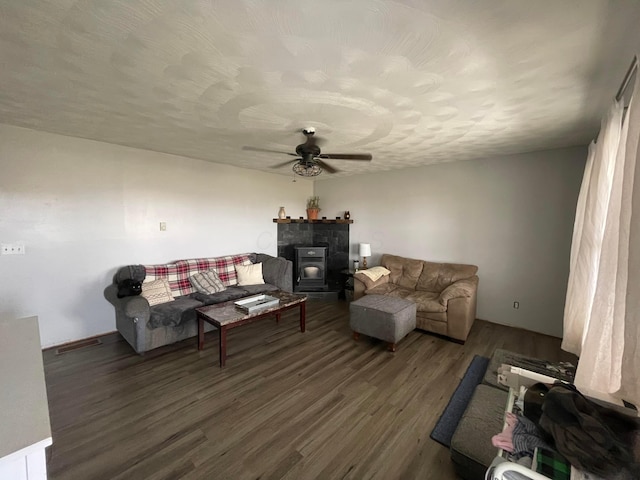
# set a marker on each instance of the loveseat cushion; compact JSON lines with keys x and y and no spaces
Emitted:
{"x":404,"y":271}
{"x":383,"y":289}
{"x":452,"y":272}
{"x":436,"y":277}
{"x":428,"y":280}
{"x":171,"y":314}
{"x":426,"y":301}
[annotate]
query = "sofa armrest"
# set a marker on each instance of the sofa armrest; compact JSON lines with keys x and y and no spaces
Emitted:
{"x":460,"y":289}
{"x":361,"y":283}
{"x":136,"y":307}
{"x":277,"y":271}
{"x":132,"y":315}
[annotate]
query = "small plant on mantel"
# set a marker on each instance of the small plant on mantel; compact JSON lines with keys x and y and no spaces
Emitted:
{"x":313,"y":207}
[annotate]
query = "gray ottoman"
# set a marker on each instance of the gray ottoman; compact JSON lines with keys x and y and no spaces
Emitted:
{"x":471,"y":449}
{"x":385,"y":318}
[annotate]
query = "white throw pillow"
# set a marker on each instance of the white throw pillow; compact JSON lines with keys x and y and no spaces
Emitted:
{"x":157,"y":291}
{"x":250,"y":274}
{"x":207,"y":282}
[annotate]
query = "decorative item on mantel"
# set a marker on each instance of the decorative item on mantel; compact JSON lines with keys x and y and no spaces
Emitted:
{"x":365,"y":251}
{"x":282,"y":214}
{"x":347,"y":215}
{"x":313,"y":207}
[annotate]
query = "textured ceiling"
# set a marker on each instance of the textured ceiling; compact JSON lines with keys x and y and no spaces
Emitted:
{"x":412,"y":82}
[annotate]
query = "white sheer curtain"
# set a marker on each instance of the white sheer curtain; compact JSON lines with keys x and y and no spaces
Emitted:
{"x":602,"y":309}
{"x":579,"y":295}
{"x":630,"y":388}
{"x":588,"y":230}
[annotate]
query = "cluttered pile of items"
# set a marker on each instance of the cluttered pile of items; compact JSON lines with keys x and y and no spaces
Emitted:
{"x":553,"y":430}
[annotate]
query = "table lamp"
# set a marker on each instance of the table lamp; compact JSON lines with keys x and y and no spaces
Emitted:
{"x":365,"y":251}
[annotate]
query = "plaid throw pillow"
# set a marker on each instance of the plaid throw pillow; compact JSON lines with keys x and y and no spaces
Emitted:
{"x":207,"y":282}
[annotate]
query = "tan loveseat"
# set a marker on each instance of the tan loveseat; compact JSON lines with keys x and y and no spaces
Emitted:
{"x":444,"y":293}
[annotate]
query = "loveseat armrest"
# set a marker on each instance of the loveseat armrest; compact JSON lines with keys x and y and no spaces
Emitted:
{"x":277,"y":271}
{"x":361,"y":283}
{"x":460,"y":289}
{"x":461,"y":303}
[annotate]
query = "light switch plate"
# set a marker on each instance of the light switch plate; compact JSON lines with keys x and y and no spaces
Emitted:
{"x":12,"y":249}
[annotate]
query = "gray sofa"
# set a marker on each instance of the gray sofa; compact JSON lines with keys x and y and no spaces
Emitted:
{"x":147,"y":327}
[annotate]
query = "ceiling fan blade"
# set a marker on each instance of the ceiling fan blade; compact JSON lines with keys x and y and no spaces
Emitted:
{"x":347,"y":156}
{"x":283,"y":164}
{"x":256,"y":149}
{"x":326,"y":166}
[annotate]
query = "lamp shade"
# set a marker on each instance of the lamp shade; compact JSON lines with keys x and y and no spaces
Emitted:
{"x":365,"y":250}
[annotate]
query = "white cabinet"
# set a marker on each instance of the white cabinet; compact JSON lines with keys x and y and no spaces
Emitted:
{"x":25,"y":429}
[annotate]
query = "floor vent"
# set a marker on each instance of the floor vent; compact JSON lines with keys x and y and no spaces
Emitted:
{"x":72,"y":346}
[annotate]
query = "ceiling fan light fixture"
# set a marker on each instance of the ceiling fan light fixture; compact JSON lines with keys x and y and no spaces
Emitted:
{"x":307,"y":169}
{"x":310,"y":161}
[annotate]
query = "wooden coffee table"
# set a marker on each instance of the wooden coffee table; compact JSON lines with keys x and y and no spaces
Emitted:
{"x":225,"y":316}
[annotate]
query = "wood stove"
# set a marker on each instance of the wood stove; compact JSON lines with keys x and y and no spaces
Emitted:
{"x":310,"y":269}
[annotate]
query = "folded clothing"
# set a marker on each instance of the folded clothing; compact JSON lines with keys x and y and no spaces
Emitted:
{"x":520,"y":436}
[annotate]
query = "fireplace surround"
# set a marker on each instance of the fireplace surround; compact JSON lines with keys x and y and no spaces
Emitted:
{"x":332,"y":234}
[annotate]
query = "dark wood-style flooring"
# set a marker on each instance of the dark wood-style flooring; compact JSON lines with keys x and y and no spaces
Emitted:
{"x":288,"y":405}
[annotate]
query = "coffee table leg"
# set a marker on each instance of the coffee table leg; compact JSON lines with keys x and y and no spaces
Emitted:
{"x":200,"y":333}
{"x":278,"y":317}
{"x":222,"y":333}
{"x":303,"y":315}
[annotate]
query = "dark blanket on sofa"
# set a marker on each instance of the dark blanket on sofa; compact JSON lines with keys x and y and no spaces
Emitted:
{"x":171,"y":314}
{"x":182,"y":309}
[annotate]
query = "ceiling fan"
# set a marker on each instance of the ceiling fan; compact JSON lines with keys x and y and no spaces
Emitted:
{"x":311,"y":161}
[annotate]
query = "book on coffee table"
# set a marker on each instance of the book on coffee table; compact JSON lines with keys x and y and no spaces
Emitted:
{"x":256,"y":303}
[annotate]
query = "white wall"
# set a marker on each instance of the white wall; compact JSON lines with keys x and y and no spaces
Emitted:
{"x":511,"y":216}
{"x":84,"y":208}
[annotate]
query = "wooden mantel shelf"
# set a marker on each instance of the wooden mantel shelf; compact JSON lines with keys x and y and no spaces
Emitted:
{"x":304,"y":220}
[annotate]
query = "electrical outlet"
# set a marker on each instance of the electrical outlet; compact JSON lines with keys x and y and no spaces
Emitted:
{"x":516,"y":305}
{"x":163,"y":226}
{"x":5,"y":249}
